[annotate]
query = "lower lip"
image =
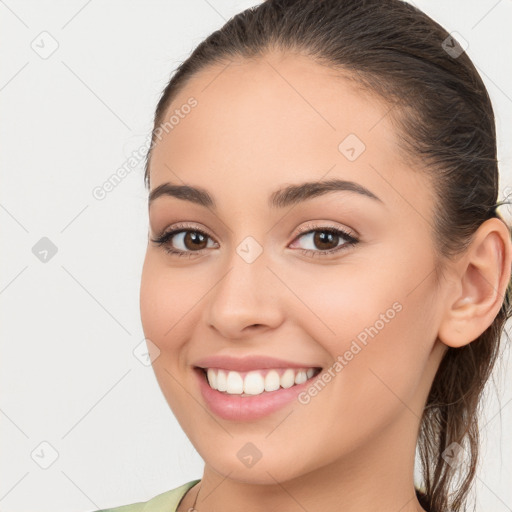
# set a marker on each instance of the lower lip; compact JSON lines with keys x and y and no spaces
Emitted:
{"x":247,"y":408}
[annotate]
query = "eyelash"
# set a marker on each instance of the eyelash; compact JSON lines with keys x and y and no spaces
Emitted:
{"x":165,"y":237}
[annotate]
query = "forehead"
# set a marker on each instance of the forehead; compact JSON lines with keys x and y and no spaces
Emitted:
{"x":281,"y":119}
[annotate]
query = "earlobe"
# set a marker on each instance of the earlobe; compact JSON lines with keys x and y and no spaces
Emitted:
{"x":482,"y":275}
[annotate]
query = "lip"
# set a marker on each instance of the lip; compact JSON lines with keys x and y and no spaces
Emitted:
{"x":247,"y":408}
{"x":246,"y":364}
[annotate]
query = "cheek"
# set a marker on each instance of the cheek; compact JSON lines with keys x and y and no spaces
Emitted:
{"x":378,"y":324}
{"x":338,"y":302}
{"x":376,"y":373}
{"x":167,"y":299}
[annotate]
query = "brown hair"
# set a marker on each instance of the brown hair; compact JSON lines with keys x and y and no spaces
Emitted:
{"x":446,"y":123}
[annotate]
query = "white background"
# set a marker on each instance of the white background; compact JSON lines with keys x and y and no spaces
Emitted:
{"x":69,"y":326}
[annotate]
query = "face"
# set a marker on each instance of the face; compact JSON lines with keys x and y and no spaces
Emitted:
{"x":341,"y":280}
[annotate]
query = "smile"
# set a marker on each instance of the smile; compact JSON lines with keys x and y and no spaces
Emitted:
{"x":239,"y":405}
{"x":257,"y":382}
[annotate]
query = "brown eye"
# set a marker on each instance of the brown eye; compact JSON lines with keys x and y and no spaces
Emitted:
{"x":194,"y":240}
{"x":183,"y":242}
{"x":324,"y":240}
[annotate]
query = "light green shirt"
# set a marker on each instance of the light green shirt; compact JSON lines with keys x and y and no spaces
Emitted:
{"x":165,"y":502}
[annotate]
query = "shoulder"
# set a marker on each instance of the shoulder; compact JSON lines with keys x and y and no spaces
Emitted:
{"x":166,"y":502}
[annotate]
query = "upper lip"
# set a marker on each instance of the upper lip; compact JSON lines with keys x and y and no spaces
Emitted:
{"x":245,"y":364}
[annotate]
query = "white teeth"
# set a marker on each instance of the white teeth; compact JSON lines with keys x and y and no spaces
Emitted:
{"x":212,"y":378}
{"x":301,"y":377}
{"x":254,"y":383}
{"x":222,"y":384}
{"x":235,"y":384}
{"x":272,"y":381}
{"x":288,"y":378}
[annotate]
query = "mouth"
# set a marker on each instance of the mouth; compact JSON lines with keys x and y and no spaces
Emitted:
{"x":256,"y":382}
{"x":232,"y":402}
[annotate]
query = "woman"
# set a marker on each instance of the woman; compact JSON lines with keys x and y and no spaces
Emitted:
{"x":327,"y":278}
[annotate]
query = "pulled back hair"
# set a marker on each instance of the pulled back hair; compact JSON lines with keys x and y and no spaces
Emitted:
{"x":445,"y":123}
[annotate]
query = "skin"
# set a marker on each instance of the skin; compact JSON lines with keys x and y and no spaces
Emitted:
{"x":260,"y":125}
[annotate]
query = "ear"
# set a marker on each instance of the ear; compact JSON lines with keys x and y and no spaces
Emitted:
{"x":481,"y":278}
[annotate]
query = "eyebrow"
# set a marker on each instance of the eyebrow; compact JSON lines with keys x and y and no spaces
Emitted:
{"x":287,"y":196}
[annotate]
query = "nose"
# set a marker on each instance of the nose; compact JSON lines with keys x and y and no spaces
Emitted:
{"x":245,"y":299}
